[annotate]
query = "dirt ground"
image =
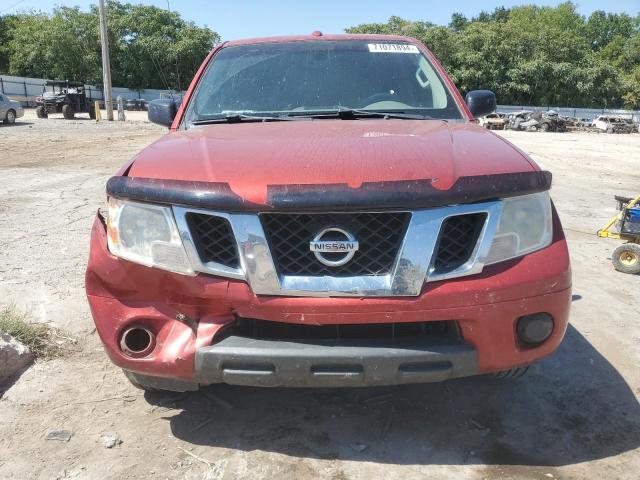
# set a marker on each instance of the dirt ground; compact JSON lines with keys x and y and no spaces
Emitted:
{"x":576,"y":415}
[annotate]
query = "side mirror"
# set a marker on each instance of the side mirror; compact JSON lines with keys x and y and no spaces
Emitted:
{"x":481,"y":102}
{"x":162,"y":111}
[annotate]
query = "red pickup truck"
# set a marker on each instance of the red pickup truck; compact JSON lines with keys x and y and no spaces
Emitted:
{"x":324,"y":211}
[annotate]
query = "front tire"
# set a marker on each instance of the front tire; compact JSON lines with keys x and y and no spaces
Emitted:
{"x":139,"y":386}
{"x":10,"y":117}
{"x":626,"y":258}
{"x":68,"y":112}
{"x":544,"y":127}
{"x":41,"y":112}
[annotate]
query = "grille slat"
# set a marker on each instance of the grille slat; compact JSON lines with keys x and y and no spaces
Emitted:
{"x":380,"y":236}
{"x":214,"y":239}
{"x":266,"y":329}
{"x":457,"y":240}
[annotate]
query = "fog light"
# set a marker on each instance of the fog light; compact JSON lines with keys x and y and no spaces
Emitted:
{"x":535,"y":328}
{"x":137,"y":342}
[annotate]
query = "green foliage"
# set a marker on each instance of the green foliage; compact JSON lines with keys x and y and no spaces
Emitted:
{"x":149,"y":47}
{"x":536,"y":55}
{"x":38,"y":337}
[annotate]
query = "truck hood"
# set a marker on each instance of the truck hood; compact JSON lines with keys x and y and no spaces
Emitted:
{"x":249,"y":157}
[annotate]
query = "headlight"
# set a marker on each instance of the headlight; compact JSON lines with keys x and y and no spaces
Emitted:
{"x":146,"y":234}
{"x":525,"y":226}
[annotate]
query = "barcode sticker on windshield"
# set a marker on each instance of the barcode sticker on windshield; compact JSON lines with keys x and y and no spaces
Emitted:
{"x":392,"y":48}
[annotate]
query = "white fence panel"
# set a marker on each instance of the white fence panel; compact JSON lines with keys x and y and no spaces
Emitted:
{"x":25,"y":90}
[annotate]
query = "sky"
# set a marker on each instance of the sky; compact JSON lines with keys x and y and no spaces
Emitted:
{"x":253,"y":18}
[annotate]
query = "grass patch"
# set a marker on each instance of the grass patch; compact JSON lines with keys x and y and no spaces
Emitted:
{"x":39,"y":337}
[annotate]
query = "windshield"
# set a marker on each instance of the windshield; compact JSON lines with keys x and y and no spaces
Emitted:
{"x":307,"y":77}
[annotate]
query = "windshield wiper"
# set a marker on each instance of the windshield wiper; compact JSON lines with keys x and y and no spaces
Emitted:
{"x":354,"y":113}
{"x":242,"y":117}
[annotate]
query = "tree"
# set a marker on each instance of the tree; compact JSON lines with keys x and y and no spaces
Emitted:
{"x":155,"y":47}
{"x":601,"y":28}
{"x":531,"y":55}
{"x":150,"y":47}
{"x":458,"y":22}
{"x":632,"y":89}
{"x":5,"y":26}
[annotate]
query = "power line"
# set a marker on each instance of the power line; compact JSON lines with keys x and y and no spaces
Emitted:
{"x":12,"y":6}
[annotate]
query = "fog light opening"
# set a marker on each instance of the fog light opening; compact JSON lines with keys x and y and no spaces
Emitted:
{"x":535,"y":328}
{"x":137,"y":342}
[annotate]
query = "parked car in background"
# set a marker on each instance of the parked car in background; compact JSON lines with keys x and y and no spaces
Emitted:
{"x":9,"y":109}
{"x":610,"y":124}
{"x":493,"y":121}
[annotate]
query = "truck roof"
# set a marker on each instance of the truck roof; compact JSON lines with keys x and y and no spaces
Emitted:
{"x":321,"y":37}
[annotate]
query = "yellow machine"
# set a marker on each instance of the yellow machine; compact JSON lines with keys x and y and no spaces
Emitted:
{"x":625,"y":258}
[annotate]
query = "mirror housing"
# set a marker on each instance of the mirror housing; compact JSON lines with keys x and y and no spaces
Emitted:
{"x":481,"y":102}
{"x":162,"y":111}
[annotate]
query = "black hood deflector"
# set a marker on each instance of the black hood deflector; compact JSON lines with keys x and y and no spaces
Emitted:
{"x":402,"y":194}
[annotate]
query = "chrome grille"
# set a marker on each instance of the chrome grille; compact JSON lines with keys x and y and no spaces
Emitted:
{"x":380,"y":236}
{"x":458,"y":237}
{"x":214,"y":239}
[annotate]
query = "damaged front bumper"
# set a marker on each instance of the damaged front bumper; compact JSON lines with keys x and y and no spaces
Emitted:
{"x":190,"y":318}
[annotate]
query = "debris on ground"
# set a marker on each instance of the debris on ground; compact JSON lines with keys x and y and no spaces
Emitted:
{"x":14,"y":356}
{"x":60,"y":435}
{"x":110,"y":440}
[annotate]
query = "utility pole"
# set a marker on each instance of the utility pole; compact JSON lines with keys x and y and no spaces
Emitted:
{"x":106,"y":68}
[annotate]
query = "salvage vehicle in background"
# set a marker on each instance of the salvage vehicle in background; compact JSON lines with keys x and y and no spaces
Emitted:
{"x":64,"y":97}
{"x":549,"y":121}
{"x":519,"y":120}
{"x":610,"y":124}
{"x":324,"y":211}
{"x":630,"y":125}
{"x":527,"y":120}
{"x":9,"y":110}
{"x":493,"y":121}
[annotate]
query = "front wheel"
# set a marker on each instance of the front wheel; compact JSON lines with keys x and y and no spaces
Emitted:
{"x":68,"y":112}
{"x":544,"y":127}
{"x":10,"y":117}
{"x":626,"y":258}
{"x":41,"y":112}
{"x":136,"y":384}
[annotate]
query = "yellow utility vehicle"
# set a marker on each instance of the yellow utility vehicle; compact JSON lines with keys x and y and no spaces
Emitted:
{"x":625,"y":225}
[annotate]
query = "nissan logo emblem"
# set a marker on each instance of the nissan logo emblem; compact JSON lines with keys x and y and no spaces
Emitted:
{"x":334,"y":241}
